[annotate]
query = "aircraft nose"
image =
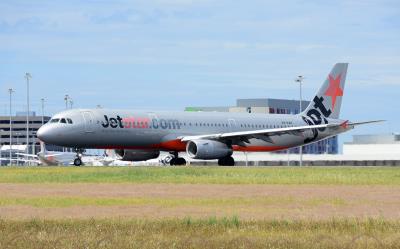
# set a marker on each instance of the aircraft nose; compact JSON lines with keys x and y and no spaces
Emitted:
{"x":44,"y":134}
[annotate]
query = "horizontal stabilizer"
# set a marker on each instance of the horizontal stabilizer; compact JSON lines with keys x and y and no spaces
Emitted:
{"x":366,"y":122}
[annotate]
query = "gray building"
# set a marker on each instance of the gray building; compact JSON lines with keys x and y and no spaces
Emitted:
{"x":18,"y":130}
{"x":276,"y":106}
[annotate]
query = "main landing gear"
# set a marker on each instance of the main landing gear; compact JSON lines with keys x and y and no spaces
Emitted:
{"x":226,"y":161}
{"x":78,"y":158}
{"x":176,"y":160}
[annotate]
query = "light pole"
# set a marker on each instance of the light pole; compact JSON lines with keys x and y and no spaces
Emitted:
{"x":327,"y":146}
{"x":299,"y":80}
{"x":28,"y":76}
{"x":10,"y":91}
{"x":42,"y":102}
{"x":66,"y":98}
{"x":1,"y":152}
{"x":18,"y":134}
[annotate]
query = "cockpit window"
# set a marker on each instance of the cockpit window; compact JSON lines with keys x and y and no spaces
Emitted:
{"x":63,"y":121}
{"x":69,"y":121}
{"x":54,"y":120}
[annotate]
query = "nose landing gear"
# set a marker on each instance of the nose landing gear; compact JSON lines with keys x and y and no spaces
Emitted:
{"x":78,"y":159}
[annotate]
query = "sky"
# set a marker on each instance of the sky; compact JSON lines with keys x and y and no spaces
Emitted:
{"x":169,"y":54}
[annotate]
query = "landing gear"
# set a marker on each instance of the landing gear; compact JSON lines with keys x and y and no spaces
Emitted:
{"x":226,"y":161}
{"x":175,"y":160}
{"x":78,"y":159}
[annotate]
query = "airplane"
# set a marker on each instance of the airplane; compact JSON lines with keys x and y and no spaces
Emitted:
{"x":54,"y":158}
{"x":49,"y":158}
{"x":137,"y":135}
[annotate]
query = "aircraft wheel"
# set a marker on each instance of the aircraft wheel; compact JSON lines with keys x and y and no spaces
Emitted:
{"x":180,"y":161}
{"x":226,"y":161}
{"x":177,"y":161}
{"x":77,"y":162}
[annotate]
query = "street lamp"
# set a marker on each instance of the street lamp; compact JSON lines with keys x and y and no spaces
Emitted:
{"x":1,"y":152}
{"x":66,"y":98}
{"x":42,"y":102}
{"x":18,"y":134}
{"x":299,"y":80}
{"x":28,"y":76}
{"x":10,"y":91}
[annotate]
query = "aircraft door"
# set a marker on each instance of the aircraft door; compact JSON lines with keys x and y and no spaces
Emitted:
{"x":89,"y":121}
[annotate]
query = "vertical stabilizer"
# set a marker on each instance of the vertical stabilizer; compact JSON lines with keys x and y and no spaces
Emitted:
{"x":328,"y":99}
{"x":42,"y":148}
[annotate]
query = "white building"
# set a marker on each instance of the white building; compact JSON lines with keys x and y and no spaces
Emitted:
{"x":378,"y":146}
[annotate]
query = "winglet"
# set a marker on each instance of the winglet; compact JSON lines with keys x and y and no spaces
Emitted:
{"x":345,"y":124}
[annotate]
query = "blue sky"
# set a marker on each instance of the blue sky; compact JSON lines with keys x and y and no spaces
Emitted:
{"x":168,"y":54}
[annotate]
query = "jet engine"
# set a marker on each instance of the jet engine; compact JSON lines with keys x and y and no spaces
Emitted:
{"x":136,"y":155}
{"x":207,"y":149}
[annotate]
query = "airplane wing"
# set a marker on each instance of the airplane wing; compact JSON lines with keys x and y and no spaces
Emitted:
{"x":27,"y":155}
{"x":20,"y":160}
{"x":265,"y":134}
{"x":260,"y":134}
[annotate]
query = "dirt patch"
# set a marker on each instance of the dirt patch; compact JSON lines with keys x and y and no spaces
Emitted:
{"x":359,"y":201}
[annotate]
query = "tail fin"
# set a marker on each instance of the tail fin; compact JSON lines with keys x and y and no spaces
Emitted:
{"x":329,"y":97}
{"x":42,"y":148}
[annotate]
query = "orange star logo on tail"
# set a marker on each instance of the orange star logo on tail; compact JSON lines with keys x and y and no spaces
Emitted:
{"x":334,"y":89}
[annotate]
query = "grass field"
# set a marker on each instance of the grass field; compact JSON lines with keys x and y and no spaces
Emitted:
{"x":199,"y":207}
{"x":205,"y":175}
{"x":206,"y":233}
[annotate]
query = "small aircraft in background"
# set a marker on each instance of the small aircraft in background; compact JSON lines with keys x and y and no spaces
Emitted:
{"x":45,"y":157}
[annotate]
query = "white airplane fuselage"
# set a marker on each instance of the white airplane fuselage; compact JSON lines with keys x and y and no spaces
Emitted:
{"x":141,"y":130}
{"x":141,"y":135}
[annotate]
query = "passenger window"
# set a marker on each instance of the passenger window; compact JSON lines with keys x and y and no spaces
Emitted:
{"x":63,"y":121}
{"x":69,"y":121}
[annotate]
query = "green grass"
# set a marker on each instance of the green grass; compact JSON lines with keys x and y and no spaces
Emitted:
{"x":57,"y":202}
{"x":204,"y":175}
{"x":204,"y":233}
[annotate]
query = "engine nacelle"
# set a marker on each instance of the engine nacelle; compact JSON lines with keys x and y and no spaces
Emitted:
{"x":136,"y":155}
{"x":207,"y":149}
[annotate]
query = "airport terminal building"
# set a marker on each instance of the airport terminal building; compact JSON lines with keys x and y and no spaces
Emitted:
{"x":18,"y":134}
{"x":276,"y":106}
